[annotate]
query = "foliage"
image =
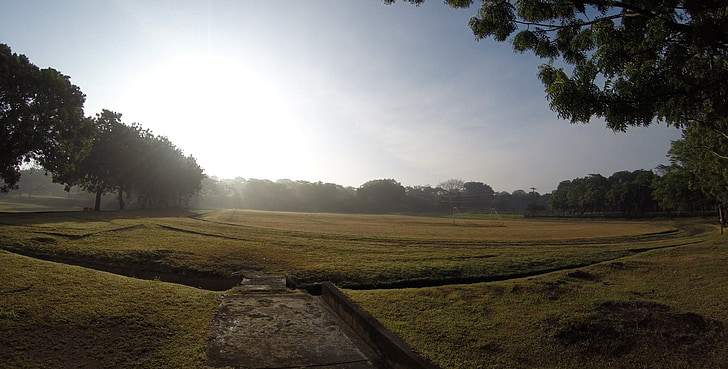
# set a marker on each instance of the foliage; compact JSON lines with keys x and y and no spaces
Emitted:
{"x":676,"y":189}
{"x":381,"y":196}
{"x":126,"y":159}
{"x":625,"y":192}
{"x":41,"y":119}
{"x":376,"y":196}
{"x":702,"y":152}
{"x":166,"y":176}
{"x":630,"y":62}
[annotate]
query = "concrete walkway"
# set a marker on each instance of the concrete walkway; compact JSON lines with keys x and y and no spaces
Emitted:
{"x":267,"y":326}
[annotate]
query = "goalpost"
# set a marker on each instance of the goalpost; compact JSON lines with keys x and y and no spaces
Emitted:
{"x":457,"y":215}
{"x":495,"y":219}
{"x":459,"y":219}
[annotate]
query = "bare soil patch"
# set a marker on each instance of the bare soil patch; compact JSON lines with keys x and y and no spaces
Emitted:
{"x":617,"y":329}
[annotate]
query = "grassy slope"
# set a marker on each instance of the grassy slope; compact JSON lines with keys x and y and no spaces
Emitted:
{"x":54,"y":315}
{"x":661,"y":309}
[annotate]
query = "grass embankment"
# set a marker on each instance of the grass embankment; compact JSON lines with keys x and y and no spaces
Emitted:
{"x":59,"y":316}
{"x":661,"y":309}
{"x":350,"y":250}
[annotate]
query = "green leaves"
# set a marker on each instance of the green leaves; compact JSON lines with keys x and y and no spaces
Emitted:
{"x":495,"y":18}
{"x":41,"y":119}
{"x":657,"y":60}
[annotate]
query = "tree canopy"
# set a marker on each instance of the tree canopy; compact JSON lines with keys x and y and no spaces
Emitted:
{"x":41,"y":119}
{"x":631,"y":62}
{"x":127,"y":160}
{"x":701,"y":152}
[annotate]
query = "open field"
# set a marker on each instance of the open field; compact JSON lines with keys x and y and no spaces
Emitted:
{"x":608,"y":277}
{"x":365,"y":252}
{"x":662,"y":309}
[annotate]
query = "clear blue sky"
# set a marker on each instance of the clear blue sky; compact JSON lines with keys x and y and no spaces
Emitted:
{"x":340,"y":91}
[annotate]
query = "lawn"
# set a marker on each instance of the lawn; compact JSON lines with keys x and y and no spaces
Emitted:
{"x":357,"y":251}
{"x":606,"y":278}
{"x":58,"y":316}
{"x":665,"y":308}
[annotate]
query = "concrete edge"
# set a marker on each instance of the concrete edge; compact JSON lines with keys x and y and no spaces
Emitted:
{"x":395,"y":352}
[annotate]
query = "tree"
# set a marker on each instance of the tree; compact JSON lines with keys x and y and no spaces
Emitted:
{"x":478,"y":195}
{"x":451,"y":192}
{"x":631,"y":191}
{"x":381,"y":196}
{"x":41,"y":120}
{"x":676,"y":189}
{"x":558,"y":200}
{"x":631,"y":62}
{"x":164,"y":176}
{"x":113,"y":161}
{"x":701,"y":152}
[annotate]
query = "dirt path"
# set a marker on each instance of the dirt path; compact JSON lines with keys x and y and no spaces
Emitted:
{"x":267,"y":326}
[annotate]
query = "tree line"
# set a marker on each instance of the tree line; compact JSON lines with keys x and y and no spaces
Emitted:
{"x":670,"y":190}
{"x":377,"y":196}
{"x":42,"y":123}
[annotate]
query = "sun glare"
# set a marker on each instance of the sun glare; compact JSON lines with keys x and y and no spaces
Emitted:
{"x":227,"y":114}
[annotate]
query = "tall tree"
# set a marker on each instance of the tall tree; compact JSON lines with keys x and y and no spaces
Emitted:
{"x":478,"y":195}
{"x":165,"y":176}
{"x":113,"y":161}
{"x":677,"y":189}
{"x":702,"y":151}
{"x":631,"y":62}
{"x":381,"y":196}
{"x":41,"y":119}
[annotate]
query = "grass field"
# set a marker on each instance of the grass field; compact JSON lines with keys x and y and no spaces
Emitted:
{"x":606,"y":278}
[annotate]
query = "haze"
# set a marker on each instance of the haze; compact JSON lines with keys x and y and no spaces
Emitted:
{"x":336,"y":91}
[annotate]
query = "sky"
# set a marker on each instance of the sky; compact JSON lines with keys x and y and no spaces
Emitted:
{"x":338,"y":91}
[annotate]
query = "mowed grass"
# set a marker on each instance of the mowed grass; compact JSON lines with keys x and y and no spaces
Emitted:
{"x":54,"y":315}
{"x":665,"y":308}
{"x":58,"y":316}
{"x":437,"y":228}
{"x":351,"y":250}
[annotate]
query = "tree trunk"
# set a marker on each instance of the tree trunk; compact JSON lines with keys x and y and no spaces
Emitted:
{"x":720,"y":218}
{"x":121,"y":199}
{"x":97,"y":205}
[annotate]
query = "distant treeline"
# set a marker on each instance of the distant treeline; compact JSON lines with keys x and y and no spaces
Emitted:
{"x":624,"y":193}
{"x":376,"y":196}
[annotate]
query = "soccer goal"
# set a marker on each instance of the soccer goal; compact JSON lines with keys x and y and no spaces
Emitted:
{"x":457,"y":217}
{"x":495,"y":219}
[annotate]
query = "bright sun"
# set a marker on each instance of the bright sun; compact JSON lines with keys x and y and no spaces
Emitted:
{"x":227,"y":114}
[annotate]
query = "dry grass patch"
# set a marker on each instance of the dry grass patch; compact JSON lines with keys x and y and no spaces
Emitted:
{"x":400,"y":226}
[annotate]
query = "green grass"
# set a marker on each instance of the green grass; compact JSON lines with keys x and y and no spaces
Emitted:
{"x":662,"y":309}
{"x":657,"y":286}
{"x":351,"y":250}
{"x":54,"y":315}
